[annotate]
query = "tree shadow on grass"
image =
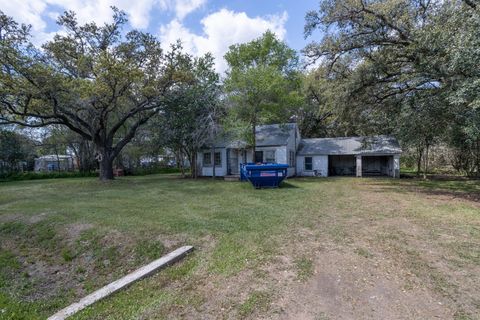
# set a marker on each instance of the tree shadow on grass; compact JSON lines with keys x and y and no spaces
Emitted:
{"x":286,"y":185}
{"x":466,"y":189}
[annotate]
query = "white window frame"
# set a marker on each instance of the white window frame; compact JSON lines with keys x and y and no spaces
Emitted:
{"x":305,"y":164}
{"x":215,"y":159}
{"x":209,"y":164}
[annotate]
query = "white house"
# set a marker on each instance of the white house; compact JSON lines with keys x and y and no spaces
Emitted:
{"x":281,"y":143}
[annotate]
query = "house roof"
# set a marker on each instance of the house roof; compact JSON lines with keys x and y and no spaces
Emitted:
{"x":266,"y":135}
{"x":350,"y":146}
{"x":274,"y":134}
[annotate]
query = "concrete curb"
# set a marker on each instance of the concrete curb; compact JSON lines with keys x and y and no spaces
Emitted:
{"x":119,"y":284}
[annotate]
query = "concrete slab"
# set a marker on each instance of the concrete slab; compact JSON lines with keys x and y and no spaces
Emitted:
{"x":122,"y":283}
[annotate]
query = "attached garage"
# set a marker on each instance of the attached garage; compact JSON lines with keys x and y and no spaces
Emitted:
{"x":349,"y":156}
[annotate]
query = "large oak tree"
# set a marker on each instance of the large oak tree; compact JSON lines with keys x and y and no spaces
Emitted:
{"x":100,"y":82}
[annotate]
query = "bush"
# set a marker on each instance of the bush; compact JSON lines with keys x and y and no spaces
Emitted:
{"x":57,"y":175}
{"x":45,"y":175}
{"x":151,"y":170}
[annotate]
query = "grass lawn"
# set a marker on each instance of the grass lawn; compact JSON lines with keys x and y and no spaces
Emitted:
{"x":329,"y":248}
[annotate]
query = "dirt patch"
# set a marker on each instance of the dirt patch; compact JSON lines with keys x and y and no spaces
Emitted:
{"x":383,"y":264}
{"x":24,"y":218}
{"x":38,"y":217}
{"x":11,"y":217}
{"x":347,"y":286}
{"x":69,"y":260}
{"x":73,"y":231}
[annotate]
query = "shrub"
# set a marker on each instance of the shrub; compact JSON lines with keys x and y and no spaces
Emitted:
{"x":45,"y":175}
{"x":151,"y":170}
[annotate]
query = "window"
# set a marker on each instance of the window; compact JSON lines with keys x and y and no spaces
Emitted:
{"x":218,"y":159}
{"x":291,"y":159}
{"x":308,"y":164}
{"x":258,"y":156}
{"x":270,"y":156}
{"x":207,"y":159}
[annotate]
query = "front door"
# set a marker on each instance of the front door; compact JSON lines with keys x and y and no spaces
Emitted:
{"x":258,"y":156}
{"x":233,"y":163}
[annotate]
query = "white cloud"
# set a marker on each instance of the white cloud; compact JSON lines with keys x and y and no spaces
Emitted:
{"x":28,"y":12}
{"x":35,"y":12}
{"x":185,"y":7}
{"x":220,"y":30}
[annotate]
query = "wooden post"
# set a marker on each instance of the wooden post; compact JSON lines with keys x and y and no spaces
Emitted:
{"x":359,"y":166}
{"x":396,"y":166}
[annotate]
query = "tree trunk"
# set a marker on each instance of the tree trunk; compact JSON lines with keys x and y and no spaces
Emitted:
{"x":213,"y":162}
{"x":254,"y":138}
{"x":192,"y":157}
{"x":105,"y":159}
{"x":426,"y":162}
{"x":106,"y":168}
{"x":194,"y":166}
{"x":477,"y":151}
{"x":181,"y":162}
{"x":419,"y":160}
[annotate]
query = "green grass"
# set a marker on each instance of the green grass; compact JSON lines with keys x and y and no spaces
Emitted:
{"x":305,"y":268}
{"x":61,"y":239}
{"x":363,"y":252}
{"x":256,"y":301}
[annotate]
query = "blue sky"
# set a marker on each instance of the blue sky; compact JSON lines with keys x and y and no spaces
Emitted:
{"x":295,"y":9}
{"x":202,"y":25}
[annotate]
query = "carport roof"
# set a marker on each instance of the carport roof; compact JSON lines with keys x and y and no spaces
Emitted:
{"x":350,"y":146}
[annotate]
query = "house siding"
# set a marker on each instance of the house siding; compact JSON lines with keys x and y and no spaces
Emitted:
{"x":319,"y":164}
{"x":292,"y":145}
{"x":220,"y":171}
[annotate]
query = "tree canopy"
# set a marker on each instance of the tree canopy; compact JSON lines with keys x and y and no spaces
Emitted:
{"x":99,"y":83}
{"x":404,"y":66}
{"x":193,"y":112}
{"x":262,"y":82}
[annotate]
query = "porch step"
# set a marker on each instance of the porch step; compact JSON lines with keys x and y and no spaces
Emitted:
{"x":232,"y":177}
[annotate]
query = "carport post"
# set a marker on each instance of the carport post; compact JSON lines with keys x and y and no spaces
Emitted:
{"x":359,"y":166}
{"x":396,"y":166}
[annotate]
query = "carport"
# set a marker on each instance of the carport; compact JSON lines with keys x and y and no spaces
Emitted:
{"x":371,"y":165}
{"x":377,"y":166}
{"x":342,"y":165}
{"x":349,"y":156}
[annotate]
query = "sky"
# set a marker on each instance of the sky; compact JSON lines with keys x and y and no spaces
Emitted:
{"x":202,"y":25}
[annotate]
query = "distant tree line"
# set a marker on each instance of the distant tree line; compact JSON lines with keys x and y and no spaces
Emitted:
{"x":16,"y":152}
{"x":403,"y":67}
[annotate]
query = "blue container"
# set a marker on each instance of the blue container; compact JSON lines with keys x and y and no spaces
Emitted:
{"x":265,"y":175}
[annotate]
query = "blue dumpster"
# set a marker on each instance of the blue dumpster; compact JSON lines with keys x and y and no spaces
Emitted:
{"x":264,"y":175}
